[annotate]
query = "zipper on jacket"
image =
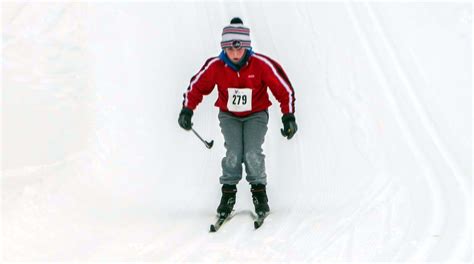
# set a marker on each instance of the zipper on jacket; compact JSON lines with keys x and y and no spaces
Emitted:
{"x":238,"y":74}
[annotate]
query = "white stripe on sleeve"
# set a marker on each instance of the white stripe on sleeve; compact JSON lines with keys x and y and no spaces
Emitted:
{"x":279,"y":78}
{"x":197,"y":78}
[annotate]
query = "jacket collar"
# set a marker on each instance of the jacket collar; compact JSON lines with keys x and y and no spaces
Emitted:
{"x":233,"y":66}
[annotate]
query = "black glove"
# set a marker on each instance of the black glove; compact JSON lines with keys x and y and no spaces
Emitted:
{"x":184,"y":119}
{"x":289,"y":125}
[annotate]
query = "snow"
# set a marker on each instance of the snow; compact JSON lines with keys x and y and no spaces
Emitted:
{"x":96,"y":168}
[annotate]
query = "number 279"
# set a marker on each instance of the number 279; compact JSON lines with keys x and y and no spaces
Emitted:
{"x":238,"y":98}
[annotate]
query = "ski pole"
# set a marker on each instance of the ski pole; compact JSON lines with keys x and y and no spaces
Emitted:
{"x":208,"y":144}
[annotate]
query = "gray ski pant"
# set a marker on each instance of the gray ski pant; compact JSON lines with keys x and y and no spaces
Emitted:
{"x":244,"y":137}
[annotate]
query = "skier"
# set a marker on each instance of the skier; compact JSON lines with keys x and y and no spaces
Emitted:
{"x":242,"y":77}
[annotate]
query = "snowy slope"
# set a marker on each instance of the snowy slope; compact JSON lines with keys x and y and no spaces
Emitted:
{"x":95,"y":167}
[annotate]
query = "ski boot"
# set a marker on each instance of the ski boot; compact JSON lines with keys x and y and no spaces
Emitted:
{"x":227,"y":201}
{"x":260,"y":199}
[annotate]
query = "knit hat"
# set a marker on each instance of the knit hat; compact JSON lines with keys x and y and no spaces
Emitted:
{"x":235,"y":35}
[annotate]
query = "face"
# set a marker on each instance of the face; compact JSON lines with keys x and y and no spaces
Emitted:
{"x":234,"y":54}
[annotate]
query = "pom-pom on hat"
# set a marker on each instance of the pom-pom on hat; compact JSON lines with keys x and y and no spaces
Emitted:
{"x":236,"y":35}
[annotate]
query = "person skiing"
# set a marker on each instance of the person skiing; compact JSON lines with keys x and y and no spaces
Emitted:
{"x":242,"y":77}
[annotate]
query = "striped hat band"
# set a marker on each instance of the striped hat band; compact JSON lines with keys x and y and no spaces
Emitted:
{"x":236,"y":44}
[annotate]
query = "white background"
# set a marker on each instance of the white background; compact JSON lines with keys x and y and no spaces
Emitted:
{"x":95,"y":166}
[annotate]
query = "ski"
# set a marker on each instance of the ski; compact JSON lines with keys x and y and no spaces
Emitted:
{"x":260,"y":218}
{"x":220,"y":221}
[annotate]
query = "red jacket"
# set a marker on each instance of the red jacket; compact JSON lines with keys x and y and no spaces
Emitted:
{"x":242,"y":92}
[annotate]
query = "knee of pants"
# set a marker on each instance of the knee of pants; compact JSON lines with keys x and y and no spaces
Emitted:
{"x":254,"y":161}
{"x":232,"y":160}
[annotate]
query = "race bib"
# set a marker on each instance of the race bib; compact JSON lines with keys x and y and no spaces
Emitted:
{"x":240,"y":99}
